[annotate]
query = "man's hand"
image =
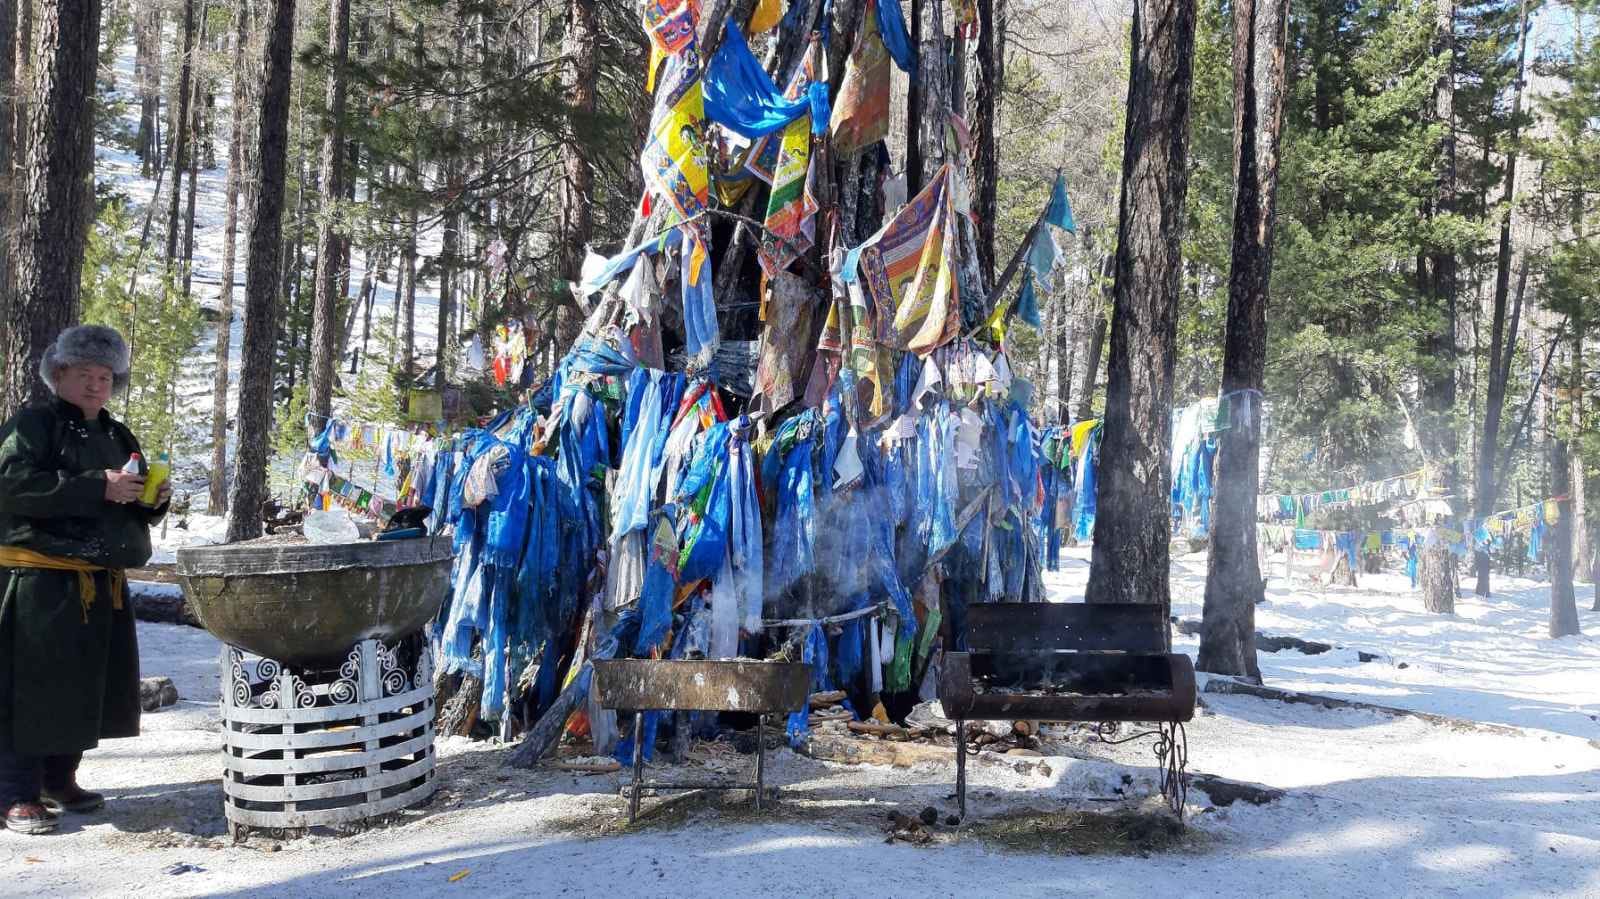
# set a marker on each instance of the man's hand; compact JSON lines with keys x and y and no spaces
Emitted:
{"x":163,"y":493}
{"x":123,"y":487}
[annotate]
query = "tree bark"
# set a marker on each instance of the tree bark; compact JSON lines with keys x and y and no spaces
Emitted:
{"x":249,"y":488}
{"x":180,"y":135}
{"x":1502,"y":346}
{"x":1558,"y":550}
{"x":987,"y":206}
{"x":932,"y":95}
{"x":1134,"y":524}
{"x":8,"y":139}
{"x":330,"y":236}
{"x":217,"y":498}
{"x":55,"y":196}
{"x":1233,"y":571}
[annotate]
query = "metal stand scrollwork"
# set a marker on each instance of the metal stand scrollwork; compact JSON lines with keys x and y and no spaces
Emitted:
{"x":1172,"y":757}
{"x":324,"y":747}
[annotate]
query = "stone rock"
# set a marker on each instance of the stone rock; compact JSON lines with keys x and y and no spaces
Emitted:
{"x":157,"y":693}
{"x":1224,"y":792}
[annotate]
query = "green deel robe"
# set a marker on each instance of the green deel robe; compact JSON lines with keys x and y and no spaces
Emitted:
{"x":66,"y":683}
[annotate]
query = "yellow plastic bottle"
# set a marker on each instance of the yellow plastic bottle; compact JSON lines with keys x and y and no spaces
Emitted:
{"x":160,"y":471}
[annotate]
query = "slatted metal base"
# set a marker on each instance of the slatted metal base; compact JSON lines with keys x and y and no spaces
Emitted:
{"x":307,"y":748}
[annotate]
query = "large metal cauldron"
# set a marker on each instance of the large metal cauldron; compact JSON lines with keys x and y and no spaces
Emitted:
{"x":307,"y":604}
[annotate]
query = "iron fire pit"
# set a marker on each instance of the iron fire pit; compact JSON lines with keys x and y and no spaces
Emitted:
{"x":306,"y":604}
{"x":732,"y":685}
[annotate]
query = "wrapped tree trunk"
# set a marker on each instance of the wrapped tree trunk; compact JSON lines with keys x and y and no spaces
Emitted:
{"x":330,"y":237}
{"x":54,"y":192}
{"x":1233,"y":572}
{"x":249,"y":488}
{"x":1134,"y":524}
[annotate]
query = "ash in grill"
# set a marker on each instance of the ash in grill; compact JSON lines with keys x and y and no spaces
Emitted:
{"x":1095,"y":662}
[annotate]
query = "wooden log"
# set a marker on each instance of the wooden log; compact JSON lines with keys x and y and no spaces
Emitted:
{"x":160,"y":603}
{"x":887,"y":731}
{"x":824,"y":700}
{"x":1241,"y":688}
{"x":547,"y":730}
{"x":459,"y":716}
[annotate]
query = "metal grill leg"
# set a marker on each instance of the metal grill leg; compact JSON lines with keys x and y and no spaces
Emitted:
{"x":961,"y":768}
{"x":638,"y":765}
{"x":1172,"y":760}
{"x":761,"y":758}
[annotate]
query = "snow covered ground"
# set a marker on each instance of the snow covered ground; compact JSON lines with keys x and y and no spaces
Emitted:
{"x":1376,"y":805}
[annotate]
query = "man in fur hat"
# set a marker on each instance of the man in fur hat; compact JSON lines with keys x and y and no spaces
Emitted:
{"x":70,"y":524}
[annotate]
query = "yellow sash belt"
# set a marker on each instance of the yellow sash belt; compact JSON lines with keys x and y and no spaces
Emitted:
{"x":17,"y":557}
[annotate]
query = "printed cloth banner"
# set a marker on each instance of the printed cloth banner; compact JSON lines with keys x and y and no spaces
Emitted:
{"x":674,"y":157}
{"x":861,"y":111}
{"x":670,"y":24}
{"x":791,"y":222}
{"x":908,"y":268}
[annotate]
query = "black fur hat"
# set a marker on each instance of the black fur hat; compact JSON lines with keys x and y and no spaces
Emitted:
{"x":87,"y":345}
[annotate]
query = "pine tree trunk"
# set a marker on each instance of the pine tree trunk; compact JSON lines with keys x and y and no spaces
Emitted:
{"x":1066,"y":361}
{"x":986,"y":205}
{"x":1097,"y":342}
{"x":1436,"y":575}
{"x":578,"y":89}
{"x":249,"y":490}
{"x":1233,"y":571}
{"x":330,"y":237}
{"x":407,"y":319}
{"x":180,"y":135}
{"x":196,"y":108}
{"x":1558,"y":549}
{"x":931,"y":98}
{"x":1578,"y":483}
{"x":407,"y":314}
{"x":217,"y":498}
{"x":55,"y":194}
{"x":1502,"y":345}
{"x":1134,"y":524}
{"x":149,"y":63}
